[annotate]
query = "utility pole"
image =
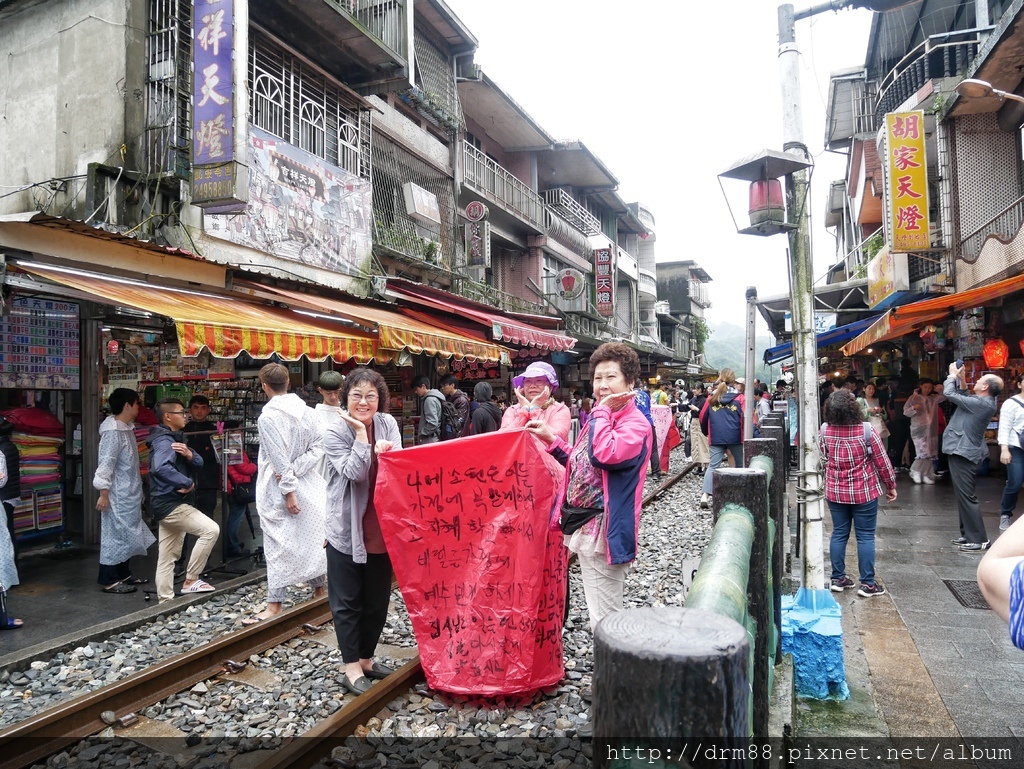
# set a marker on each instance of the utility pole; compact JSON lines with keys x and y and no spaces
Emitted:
{"x":810,"y":488}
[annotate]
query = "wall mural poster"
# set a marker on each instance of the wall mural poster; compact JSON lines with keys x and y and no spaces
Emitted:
{"x":301,"y":208}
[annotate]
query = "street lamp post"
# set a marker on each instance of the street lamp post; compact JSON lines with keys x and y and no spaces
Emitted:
{"x":805,"y":351}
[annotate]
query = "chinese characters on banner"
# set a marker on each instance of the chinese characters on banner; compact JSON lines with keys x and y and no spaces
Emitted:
{"x":604,"y":281}
{"x":908,"y":181}
{"x":483,"y":577}
{"x":41,"y":347}
{"x":213,"y":103}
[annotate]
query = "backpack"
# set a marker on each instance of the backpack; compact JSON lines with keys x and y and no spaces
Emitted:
{"x":868,"y":429}
{"x":451,"y":425}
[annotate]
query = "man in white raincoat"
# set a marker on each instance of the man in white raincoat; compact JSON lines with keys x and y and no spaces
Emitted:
{"x":922,"y":408}
{"x":117,"y":478}
{"x":291,"y":493}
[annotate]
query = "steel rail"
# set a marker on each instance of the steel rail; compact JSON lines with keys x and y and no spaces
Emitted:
{"x":667,"y":484}
{"x":315,"y":744}
{"x":49,"y":732}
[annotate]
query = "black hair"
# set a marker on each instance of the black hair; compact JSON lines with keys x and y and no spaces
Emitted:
{"x":841,"y":408}
{"x":421,"y":381}
{"x":451,"y":379}
{"x":161,"y":407}
{"x":200,"y":400}
{"x":121,"y":397}
{"x":368,"y":375}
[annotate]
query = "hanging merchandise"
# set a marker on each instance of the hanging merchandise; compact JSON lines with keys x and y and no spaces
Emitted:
{"x":996,"y":353}
{"x":933,"y":338}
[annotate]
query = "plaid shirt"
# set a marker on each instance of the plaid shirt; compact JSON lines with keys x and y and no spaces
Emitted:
{"x":850,"y":478}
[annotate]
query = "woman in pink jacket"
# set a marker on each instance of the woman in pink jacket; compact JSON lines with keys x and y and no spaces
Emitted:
{"x":604,"y":478}
{"x":534,"y":389}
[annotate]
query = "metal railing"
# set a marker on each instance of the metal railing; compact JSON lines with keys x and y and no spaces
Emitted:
{"x":496,"y":183}
{"x":699,"y":294}
{"x":574,"y":213}
{"x":562,"y":232}
{"x":1005,"y":224}
{"x":384,"y":19}
{"x":936,"y":57}
{"x":485,"y":294}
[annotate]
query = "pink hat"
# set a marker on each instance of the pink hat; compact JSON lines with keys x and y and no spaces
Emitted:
{"x":537,"y":369}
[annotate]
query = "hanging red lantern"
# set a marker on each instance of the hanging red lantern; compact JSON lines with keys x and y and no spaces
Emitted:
{"x":1022,"y":346}
{"x":996,"y":353}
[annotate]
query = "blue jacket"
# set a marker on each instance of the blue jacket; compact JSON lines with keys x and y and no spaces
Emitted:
{"x":619,"y":444}
{"x":169,"y":471}
{"x":724,"y":422}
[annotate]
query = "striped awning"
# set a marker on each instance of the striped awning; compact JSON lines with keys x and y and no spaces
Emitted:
{"x":394,"y":331}
{"x":502,"y":327}
{"x":916,"y":315}
{"x":225,"y":325}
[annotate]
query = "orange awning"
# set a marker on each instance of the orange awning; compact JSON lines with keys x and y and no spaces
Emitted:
{"x":394,"y":331}
{"x":225,"y":325}
{"x":910,"y":317}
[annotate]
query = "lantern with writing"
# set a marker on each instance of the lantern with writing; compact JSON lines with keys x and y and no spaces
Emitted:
{"x":996,"y":353}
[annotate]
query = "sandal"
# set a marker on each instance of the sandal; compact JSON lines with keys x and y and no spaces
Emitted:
{"x":12,"y":624}
{"x":199,"y":586}
{"x":120,"y":588}
{"x":131,"y":579}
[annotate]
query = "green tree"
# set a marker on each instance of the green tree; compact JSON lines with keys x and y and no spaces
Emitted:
{"x":699,"y":334}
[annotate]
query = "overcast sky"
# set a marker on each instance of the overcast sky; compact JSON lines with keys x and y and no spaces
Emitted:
{"x":669,"y":93}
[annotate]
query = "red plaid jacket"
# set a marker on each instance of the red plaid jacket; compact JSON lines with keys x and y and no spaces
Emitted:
{"x":850,"y":478}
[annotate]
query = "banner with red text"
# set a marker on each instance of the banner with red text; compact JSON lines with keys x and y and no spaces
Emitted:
{"x":466,"y":525}
{"x":908,"y":181}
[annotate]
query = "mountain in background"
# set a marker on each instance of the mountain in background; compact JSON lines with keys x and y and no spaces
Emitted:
{"x":726,"y":346}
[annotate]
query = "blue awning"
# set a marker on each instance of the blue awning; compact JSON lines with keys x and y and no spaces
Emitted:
{"x":835,"y":336}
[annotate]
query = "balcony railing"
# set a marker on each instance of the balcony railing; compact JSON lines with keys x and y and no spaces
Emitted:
{"x":699,"y":294}
{"x":485,"y":294}
{"x":647,"y":283}
{"x":562,"y":232}
{"x":1005,"y":224}
{"x":570,"y":210}
{"x":936,"y":57}
{"x":384,"y":19}
{"x":495,"y":183}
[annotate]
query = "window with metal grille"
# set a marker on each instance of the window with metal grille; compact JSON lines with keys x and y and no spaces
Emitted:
{"x":435,"y":77}
{"x":393,"y":228}
{"x":293,"y":100}
{"x":169,"y":87}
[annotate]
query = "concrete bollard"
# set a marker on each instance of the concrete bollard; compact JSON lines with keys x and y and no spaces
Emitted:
{"x":771,"y":445}
{"x":668,"y":677}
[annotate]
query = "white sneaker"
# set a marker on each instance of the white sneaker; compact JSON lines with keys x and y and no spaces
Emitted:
{"x":705,"y":501}
{"x":1004,"y":522}
{"x":915,"y":476}
{"x":927,"y":479}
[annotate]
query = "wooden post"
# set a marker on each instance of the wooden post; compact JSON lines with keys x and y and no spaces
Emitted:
{"x":667,"y":677}
{"x":749,"y":489}
{"x":771,"y":445}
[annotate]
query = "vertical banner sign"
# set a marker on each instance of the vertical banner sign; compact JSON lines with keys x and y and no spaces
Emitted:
{"x":213,"y":100}
{"x":604,"y":280}
{"x":908,"y":181}
{"x":483,"y":576}
{"x":478,"y":244}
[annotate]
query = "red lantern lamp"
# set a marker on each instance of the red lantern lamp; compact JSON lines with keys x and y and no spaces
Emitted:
{"x":996,"y":353}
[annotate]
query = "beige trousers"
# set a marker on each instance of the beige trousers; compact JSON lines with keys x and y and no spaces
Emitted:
{"x":603,"y":585}
{"x":182,"y":520}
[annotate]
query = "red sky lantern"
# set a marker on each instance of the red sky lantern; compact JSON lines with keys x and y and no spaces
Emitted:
{"x":996,"y":353}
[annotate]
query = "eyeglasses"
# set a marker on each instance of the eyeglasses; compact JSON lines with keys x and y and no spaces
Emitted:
{"x":369,"y":397}
{"x":176,"y":413}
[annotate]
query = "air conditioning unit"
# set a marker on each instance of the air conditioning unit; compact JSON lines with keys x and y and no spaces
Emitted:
{"x":648,"y":316}
{"x":662,"y":308}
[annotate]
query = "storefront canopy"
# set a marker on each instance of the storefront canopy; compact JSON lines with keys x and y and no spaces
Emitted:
{"x":503,"y":328}
{"x":394,"y":331}
{"x":225,"y":325}
{"x":836,"y":335}
{"x":911,"y":317}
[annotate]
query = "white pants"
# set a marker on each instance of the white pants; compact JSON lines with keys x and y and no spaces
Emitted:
{"x":603,"y":585}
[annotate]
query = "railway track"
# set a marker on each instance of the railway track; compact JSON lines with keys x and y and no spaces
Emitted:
{"x":53,"y":730}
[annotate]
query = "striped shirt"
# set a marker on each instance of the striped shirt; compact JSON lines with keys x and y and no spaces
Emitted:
{"x":850,"y":478}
